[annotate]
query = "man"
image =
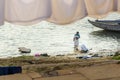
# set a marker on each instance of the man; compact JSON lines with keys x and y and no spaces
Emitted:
{"x":84,"y":49}
{"x":76,"y":40}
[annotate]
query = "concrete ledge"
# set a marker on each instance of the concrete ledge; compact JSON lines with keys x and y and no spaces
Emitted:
{"x":66,"y":72}
{"x":15,"y":77}
{"x":34,"y":75}
{"x":103,"y":72}
{"x":65,"y":77}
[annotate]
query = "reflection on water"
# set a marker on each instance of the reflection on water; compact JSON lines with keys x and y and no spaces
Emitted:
{"x":104,"y":34}
{"x":111,"y":38}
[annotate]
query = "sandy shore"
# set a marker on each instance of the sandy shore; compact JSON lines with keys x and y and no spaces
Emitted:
{"x":63,"y":68}
{"x":42,"y":64}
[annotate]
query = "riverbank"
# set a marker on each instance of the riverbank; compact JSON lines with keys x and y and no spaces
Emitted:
{"x":42,"y":63}
{"x":63,"y":68}
{"x":97,"y":72}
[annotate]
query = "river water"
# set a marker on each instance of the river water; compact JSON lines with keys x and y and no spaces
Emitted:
{"x":54,"y":39}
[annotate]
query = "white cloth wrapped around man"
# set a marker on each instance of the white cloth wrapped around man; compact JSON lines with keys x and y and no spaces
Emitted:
{"x":83,"y":48}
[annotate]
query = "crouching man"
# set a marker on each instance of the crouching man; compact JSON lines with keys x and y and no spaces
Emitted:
{"x":83,"y":49}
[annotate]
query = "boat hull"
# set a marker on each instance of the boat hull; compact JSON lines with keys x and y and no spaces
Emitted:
{"x":113,"y":26}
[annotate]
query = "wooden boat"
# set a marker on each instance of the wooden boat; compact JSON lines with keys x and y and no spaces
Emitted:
{"x":108,"y":21}
{"x":107,"y":25}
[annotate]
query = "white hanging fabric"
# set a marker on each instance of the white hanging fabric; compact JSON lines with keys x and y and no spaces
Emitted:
{"x":64,"y":11}
{"x":118,"y":6}
{"x":29,"y":12}
{"x":2,"y":12}
{"x":99,"y":8}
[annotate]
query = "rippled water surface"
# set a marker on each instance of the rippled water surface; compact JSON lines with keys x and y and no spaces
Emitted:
{"x":55,"y":39}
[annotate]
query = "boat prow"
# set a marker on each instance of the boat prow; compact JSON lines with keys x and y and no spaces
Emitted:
{"x":113,"y":26}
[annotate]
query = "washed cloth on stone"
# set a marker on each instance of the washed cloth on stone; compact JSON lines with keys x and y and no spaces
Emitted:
{"x":10,"y":70}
